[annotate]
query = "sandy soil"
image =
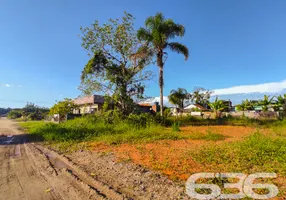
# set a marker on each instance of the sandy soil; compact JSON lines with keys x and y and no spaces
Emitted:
{"x":134,"y":180}
{"x":31,"y":172}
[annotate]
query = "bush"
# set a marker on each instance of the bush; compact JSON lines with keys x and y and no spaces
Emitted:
{"x":14,"y":114}
{"x":176,"y":126}
{"x":140,"y":121}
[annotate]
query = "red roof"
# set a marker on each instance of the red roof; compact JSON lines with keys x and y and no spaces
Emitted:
{"x":144,"y":105}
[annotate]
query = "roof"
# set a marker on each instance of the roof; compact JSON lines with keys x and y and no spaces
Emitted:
{"x":93,"y":99}
{"x":195,"y":105}
{"x":144,"y":104}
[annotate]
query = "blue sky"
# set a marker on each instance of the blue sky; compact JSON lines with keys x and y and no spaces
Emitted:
{"x":232,"y":43}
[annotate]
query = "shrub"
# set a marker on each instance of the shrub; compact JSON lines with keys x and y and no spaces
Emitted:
{"x":14,"y":114}
{"x":140,"y":121}
{"x":176,"y":126}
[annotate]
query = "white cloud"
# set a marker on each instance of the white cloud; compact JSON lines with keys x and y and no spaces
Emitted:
{"x":9,"y":85}
{"x":251,"y":91}
{"x":274,"y":87}
{"x":5,"y":85}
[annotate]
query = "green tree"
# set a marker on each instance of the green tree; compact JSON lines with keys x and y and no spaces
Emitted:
{"x":157,"y":34}
{"x":245,"y":105}
{"x":14,"y":114}
{"x":217,"y":106}
{"x":201,"y":96}
{"x":4,"y":111}
{"x":33,"y":112}
{"x":113,"y":68}
{"x":266,"y":102}
{"x":179,"y":97}
{"x":280,"y":102}
{"x":63,"y":108}
{"x":197,"y":97}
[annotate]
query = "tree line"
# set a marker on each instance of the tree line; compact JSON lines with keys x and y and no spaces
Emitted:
{"x":277,"y":103}
{"x":30,"y":111}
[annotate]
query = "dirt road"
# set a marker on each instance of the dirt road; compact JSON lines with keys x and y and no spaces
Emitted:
{"x":29,"y":171}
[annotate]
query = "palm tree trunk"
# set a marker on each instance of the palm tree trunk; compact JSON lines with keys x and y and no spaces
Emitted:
{"x":161,"y":85}
{"x":160,"y":64}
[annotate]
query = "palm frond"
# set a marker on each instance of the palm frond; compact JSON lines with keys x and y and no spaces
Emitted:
{"x":144,"y":35}
{"x":171,"y":29}
{"x":153,"y":22}
{"x":179,"y":48}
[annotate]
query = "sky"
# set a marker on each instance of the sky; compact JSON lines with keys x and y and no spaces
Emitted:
{"x":236,"y":46}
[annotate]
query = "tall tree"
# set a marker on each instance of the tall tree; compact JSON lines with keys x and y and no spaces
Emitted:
{"x":157,"y":34}
{"x":201,"y":96}
{"x":179,"y":97}
{"x":197,"y":97}
{"x":111,"y":69}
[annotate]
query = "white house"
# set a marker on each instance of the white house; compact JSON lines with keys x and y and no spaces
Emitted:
{"x":195,"y":106}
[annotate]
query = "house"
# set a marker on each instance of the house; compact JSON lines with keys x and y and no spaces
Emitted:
{"x":149,"y":108}
{"x":228,"y":105}
{"x":195,"y":107}
{"x":89,"y":104}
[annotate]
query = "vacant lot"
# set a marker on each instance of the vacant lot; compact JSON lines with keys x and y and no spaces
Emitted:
{"x":179,"y":158}
{"x":178,"y":154}
{"x":210,"y":149}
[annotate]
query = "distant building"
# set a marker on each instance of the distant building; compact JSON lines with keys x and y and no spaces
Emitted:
{"x":149,"y":108}
{"x":194,"y":107}
{"x":228,"y":105}
{"x":89,"y":104}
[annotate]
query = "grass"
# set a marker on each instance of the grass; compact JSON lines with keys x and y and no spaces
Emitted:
{"x":94,"y":129}
{"x":209,"y":136}
{"x":256,"y":153}
{"x":231,"y":121}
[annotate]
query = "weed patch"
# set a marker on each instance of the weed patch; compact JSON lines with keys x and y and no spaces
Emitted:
{"x":92,"y":128}
{"x":209,"y":136}
{"x":257,"y":153}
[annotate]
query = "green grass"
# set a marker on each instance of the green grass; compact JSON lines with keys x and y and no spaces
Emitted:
{"x":233,"y":121}
{"x":92,"y":128}
{"x":256,"y":153}
{"x":209,"y":136}
{"x":32,"y":124}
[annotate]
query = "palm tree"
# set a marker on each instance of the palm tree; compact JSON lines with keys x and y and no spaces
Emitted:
{"x":157,"y":34}
{"x":179,"y":97}
{"x":217,"y":106}
{"x":266,"y":102}
{"x":197,"y":97}
{"x":280,"y":102}
{"x":245,"y":105}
